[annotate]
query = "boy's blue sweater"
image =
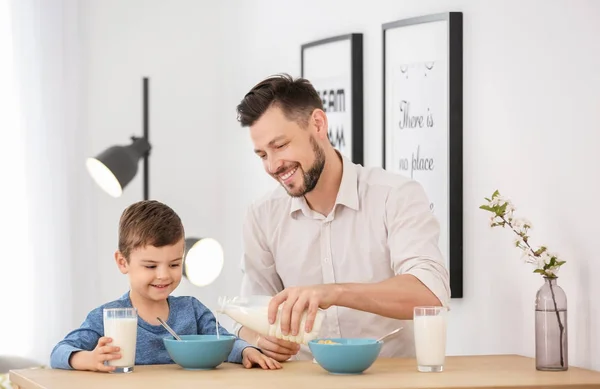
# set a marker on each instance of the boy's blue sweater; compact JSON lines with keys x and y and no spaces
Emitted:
{"x":187,"y":316}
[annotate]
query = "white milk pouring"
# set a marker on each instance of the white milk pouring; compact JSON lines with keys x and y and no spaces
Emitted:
{"x":252,"y":312}
{"x":123,"y":332}
{"x":430,"y":339}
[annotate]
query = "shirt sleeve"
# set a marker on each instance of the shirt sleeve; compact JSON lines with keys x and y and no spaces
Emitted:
{"x":413,"y":233}
{"x":259,"y":276}
{"x":207,"y":326}
{"x":85,"y":338}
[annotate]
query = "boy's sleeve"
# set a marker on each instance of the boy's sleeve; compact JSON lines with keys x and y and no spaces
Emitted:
{"x":85,"y":338}
{"x":207,"y":326}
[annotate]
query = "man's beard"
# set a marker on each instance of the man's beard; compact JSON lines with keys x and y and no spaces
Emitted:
{"x":310,"y":177}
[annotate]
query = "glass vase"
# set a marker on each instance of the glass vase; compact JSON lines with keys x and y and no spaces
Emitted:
{"x":551,"y":340}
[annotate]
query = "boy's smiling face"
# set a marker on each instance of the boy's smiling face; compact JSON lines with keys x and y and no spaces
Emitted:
{"x":154,"y":272}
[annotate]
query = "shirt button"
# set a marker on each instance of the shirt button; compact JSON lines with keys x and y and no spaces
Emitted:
{"x":325,"y":260}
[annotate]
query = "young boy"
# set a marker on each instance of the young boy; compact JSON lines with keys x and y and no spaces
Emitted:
{"x":151,"y":249}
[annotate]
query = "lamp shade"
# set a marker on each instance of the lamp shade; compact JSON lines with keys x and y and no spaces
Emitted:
{"x":115,"y":167}
{"x":203,"y":260}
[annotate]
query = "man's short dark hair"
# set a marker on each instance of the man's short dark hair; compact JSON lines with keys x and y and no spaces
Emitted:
{"x":296,"y":98}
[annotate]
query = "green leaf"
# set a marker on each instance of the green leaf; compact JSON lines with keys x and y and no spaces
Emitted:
{"x":502,"y":210}
{"x":560,"y":263}
{"x":541,"y":271}
{"x":488,"y":200}
{"x":496,"y":194}
{"x":487,"y":208}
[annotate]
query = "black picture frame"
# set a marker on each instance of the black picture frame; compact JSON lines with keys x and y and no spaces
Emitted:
{"x":345,"y":51}
{"x":435,"y":41}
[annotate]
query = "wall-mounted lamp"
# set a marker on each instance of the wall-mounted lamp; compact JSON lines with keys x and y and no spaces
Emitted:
{"x":203,"y":260}
{"x":115,"y":167}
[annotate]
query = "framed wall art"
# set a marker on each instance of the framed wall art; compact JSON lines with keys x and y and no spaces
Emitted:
{"x":335,"y":68}
{"x":422,"y":119}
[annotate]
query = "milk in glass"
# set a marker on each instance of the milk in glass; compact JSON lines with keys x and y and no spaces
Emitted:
{"x":430,"y":338}
{"x":120,"y":324}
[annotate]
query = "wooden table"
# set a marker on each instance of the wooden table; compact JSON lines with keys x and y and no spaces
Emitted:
{"x":497,"y":371}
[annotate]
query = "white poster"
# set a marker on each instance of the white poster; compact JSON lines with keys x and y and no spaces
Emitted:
{"x":422,"y":137}
{"x":418,"y":133}
{"x":334,"y":67}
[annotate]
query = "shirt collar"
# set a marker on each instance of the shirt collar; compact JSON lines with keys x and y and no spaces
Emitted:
{"x":347,"y":193}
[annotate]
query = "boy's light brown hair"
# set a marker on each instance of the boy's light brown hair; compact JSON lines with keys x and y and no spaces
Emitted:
{"x":148,"y":222}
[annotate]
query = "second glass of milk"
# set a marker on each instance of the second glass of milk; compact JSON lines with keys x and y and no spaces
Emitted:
{"x":120,"y":324}
{"x":430,"y":338}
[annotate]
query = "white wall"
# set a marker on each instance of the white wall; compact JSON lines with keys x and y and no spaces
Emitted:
{"x":531,"y":94}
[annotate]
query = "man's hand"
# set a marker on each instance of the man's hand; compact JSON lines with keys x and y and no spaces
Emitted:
{"x":296,"y":300}
{"x":251,"y":357}
{"x":278,"y":349}
{"x":94,"y":360}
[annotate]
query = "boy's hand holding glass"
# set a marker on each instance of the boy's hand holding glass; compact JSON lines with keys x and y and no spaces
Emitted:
{"x":94,"y":360}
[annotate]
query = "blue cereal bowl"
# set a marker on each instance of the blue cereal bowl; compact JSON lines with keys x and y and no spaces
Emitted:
{"x":345,"y":355}
{"x":199,"y":352}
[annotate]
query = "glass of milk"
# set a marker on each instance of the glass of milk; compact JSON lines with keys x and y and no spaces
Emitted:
{"x":430,"y":338}
{"x":120,"y":324}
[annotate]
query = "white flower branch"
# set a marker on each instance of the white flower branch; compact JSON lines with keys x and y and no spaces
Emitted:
{"x":547,"y":264}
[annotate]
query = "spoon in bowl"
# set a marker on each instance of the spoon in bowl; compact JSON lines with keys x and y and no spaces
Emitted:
{"x":389,"y":334}
{"x":168,"y":328}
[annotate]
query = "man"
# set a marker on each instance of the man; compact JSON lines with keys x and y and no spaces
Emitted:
{"x":360,"y":243}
